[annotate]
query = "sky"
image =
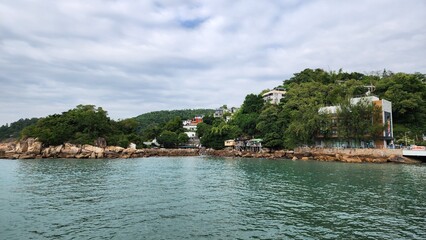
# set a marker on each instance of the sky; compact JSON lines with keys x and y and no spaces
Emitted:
{"x":132,"y":57}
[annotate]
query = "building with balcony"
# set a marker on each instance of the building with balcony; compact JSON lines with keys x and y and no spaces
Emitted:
{"x":274,"y":96}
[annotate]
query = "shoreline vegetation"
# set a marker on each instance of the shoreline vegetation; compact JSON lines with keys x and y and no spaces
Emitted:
{"x":32,"y":149}
{"x":288,"y":117}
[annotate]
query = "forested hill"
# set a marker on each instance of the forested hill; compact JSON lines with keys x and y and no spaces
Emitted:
{"x":13,"y":130}
{"x":157,"y":118}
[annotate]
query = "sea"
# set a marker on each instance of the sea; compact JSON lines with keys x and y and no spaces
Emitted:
{"x":210,"y":198}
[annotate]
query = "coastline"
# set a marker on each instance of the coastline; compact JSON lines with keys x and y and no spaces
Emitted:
{"x":32,"y":149}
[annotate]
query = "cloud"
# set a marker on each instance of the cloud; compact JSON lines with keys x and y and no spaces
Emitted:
{"x":132,"y":57}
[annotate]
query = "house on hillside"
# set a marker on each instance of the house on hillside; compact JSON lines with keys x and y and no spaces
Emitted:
{"x":274,"y":96}
{"x":224,"y":112}
{"x":190,"y":127}
{"x":191,"y":124}
{"x":385,"y":139}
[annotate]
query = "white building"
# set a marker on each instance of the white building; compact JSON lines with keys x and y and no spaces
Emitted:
{"x":385,"y":106}
{"x":274,"y":96}
{"x":191,"y":134}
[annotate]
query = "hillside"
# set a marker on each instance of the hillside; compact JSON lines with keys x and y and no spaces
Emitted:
{"x":160,"y":117}
{"x":13,"y":130}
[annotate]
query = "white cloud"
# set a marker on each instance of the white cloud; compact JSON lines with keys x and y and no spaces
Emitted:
{"x":132,"y":57}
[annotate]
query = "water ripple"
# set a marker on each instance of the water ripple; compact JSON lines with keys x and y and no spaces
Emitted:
{"x":210,"y":198}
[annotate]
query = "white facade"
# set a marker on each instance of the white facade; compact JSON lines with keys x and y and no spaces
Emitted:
{"x":329,"y":109}
{"x":191,"y":134}
{"x":274,"y":96}
{"x":367,"y":99}
{"x":190,"y":127}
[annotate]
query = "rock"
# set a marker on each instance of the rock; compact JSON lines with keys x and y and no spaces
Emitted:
{"x":100,"y":155}
{"x":83,"y":155}
{"x":294,"y":158}
{"x":351,"y":159}
{"x":58,"y":148}
{"x":111,"y":155}
{"x":27,"y":156}
{"x":34,"y":147}
{"x":70,"y":148}
{"x":45,"y":153}
{"x":114,"y":149}
{"x":90,"y":148}
{"x":21,"y":146}
{"x":279,"y":154}
{"x":129,"y":151}
{"x":305,"y":158}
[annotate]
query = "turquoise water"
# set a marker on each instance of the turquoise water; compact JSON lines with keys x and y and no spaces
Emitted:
{"x":210,"y":198}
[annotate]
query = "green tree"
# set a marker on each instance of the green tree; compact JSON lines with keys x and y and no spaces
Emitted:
{"x":182,"y":138}
{"x":174,"y":125}
{"x":14,"y":129}
{"x":252,"y":104}
{"x":246,"y":118}
{"x":271,"y":127}
{"x":407,"y":92}
{"x":359,"y":122}
{"x":203,"y":128}
{"x":168,"y":139}
{"x":217,"y":135}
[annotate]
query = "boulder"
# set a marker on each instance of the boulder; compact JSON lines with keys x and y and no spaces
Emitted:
{"x":70,"y":149}
{"x":21,"y":146}
{"x":279,"y":154}
{"x":94,"y":149}
{"x":114,"y":149}
{"x":351,"y":159}
{"x":57,"y":149}
{"x":34,"y":147}
{"x":27,"y":156}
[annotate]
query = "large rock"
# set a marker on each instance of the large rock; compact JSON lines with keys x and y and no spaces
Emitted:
{"x":114,"y":149}
{"x":21,"y":146}
{"x":70,"y":149}
{"x":27,"y":156}
{"x":34,"y":147}
{"x":94,"y":149}
{"x":279,"y":154}
{"x":351,"y":159}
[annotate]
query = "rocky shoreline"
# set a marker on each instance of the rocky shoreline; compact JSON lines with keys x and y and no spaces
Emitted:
{"x":32,"y":149}
{"x":328,"y":155}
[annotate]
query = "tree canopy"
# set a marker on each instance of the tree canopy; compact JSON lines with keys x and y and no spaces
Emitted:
{"x":293,"y":122}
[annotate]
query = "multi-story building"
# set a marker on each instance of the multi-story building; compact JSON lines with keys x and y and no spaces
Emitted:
{"x":274,"y":96}
{"x":224,"y":111}
{"x":383,"y":141}
{"x":190,"y":127}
